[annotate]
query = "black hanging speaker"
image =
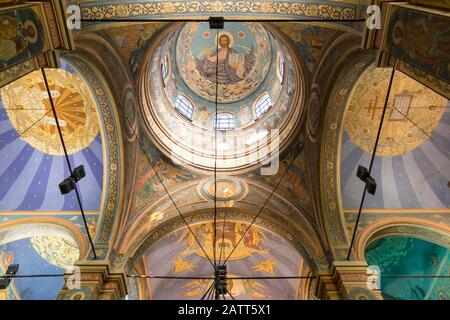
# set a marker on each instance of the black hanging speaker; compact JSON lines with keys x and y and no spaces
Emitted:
{"x":216,"y":22}
{"x":362,"y":173}
{"x":371,"y":185}
{"x":9,"y":274}
{"x":67,"y":185}
{"x":79,"y":173}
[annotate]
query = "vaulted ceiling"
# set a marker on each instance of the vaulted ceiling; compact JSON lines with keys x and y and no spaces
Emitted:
{"x":139,"y":188}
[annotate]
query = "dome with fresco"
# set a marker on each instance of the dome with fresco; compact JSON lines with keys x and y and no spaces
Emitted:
{"x":240,"y":85}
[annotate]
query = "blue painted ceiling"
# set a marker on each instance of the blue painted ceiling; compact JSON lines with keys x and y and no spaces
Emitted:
{"x":29,"y":178}
{"x":411,"y":179}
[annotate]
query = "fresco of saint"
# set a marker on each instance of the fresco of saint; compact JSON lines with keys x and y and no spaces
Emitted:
{"x":12,"y":40}
{"x":244,"y":115}
{"x":233,"y":66}
{"x":203,"y":114}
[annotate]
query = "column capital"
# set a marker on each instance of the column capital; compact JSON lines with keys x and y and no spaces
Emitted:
{"x":94,"y":280}
{"x":349,"y":281}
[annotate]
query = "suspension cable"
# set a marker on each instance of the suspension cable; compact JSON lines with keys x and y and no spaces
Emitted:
{"x":168,"y":193}
{"x":33,"y":124}
{"x":300,"y":148}
{"x":371,"y":161}
{"x":68,"y":161}
{"x":215,"y":149}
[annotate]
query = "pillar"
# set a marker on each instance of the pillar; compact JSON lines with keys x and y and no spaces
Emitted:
{"x":94,"y":280}
{"x":348,"y":281}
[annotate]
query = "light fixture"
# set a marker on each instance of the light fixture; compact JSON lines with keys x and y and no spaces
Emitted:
{"x":69,"y":183}
{"x":220,"y":284}
{"x":363,"y":175}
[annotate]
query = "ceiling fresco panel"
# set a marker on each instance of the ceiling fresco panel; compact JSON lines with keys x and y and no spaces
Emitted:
{"x":33,"y":163}
{"x":409,"y":256}
{"x":38,"y":249}
{"x":412,"y":162}
{"x":261,"y":253}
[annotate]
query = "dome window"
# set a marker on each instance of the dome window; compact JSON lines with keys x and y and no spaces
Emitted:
{"x":184,"y":106}
{"x":164,"y":67}
{"x":281,"y":67}
{"x":224,"y":122}
{"x":262,"y":105}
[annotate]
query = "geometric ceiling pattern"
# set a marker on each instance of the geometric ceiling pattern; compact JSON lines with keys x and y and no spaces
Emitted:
{"x":32,"y":166}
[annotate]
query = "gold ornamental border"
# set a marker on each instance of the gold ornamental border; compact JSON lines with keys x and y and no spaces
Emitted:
{"x":330,"y":150}
{"x":112,"y":150}
{"x":402,"y":227}
{"x":192,"y":9}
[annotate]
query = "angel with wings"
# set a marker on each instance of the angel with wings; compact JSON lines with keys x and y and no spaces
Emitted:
{"x":232,"y":66}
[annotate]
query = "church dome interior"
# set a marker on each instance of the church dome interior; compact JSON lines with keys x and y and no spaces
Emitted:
{"x":258,"y":88}
{"x":243,"y":150}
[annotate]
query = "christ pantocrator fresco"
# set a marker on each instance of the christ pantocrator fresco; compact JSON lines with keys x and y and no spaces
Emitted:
{"x":232,"y":66}
{"x":240,"y":57}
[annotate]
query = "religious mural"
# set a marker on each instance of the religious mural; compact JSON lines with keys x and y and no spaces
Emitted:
{"x":294,"y":181}
{"x":74,"y":104}
{"x":412,"y":162}
{"x":245,"y":55}
{"x":247,"y":61}
{"x":147,"y":184}
{"x":32,"y":164}
{"x":260,"y":253}
{"x":36,"y":254}
{"x":133,"y":41}
{"x":408,"y":256}
{"x":21,"y":35}
{"x":408,"y":100}
{"x":420,"y":39}
{"x":309,"y":40}
{"x":32,"y":167}
{"x":242,"y":55}
{"x":190,"y":137}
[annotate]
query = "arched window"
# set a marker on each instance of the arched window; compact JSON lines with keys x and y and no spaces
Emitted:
{"x":184,"y":106}
{"x":262,"y":105}
{"x":224,"y":121}
{"x":164,"y":67}
{"x":281,"y":66}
